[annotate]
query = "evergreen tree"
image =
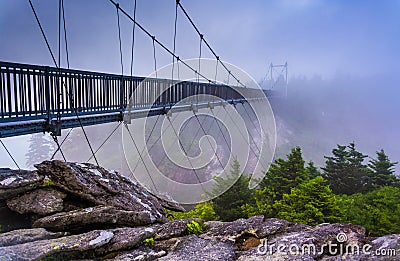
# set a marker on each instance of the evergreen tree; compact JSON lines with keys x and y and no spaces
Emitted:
{"x":382,"y":170}
{"x":345,"y":171}
{"x":40,"y":149}
{"x":203,"y":210}
{"x":282,"y":176}
{"x":312,"y":202}
{"x":378,"y":210}
{"x":312,"y":171}
{"x":228,"y":206}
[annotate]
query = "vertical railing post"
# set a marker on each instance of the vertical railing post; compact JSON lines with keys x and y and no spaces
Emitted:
{"x":47,"y":94}
{"x":122,"y":94}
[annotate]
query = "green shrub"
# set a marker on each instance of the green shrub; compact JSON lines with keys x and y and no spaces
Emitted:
{"x":48,"y":182}
{"x":195,"y":227}
{"x":149,"y":242}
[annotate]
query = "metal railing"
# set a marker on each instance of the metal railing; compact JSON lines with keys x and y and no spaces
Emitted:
{"x":31,"y":92}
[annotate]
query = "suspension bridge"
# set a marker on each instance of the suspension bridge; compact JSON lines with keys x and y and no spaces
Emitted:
{"x":40,"y":99}
{"x":48,"y":99}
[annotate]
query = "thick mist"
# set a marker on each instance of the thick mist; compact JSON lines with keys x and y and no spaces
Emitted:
{"x":319,"y":113}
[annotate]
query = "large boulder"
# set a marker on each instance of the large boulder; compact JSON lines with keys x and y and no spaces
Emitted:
{"x":26,"y":235}
{"x":195,"y":248}
{"x":94,"y":218}
{"x":174,"y":228}
{"x":140,"y":254}
{"x":126,"y":238}
{"x":54,"y":247}
{"x":40,"y":201}
{"x":15,"y":182}
{"x":102,"y":187}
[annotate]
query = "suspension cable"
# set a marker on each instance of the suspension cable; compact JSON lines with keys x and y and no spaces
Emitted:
{"x":154,"y":55}
{"x":205,"y":41}
{"x":104,"y":142}
{"x":147,"y":140}
{"x":155,"y":39}
{"x":120,"y":42}
{"x":58,"y":148}
{"x":188,"y":158}
{"x":9,"y":154}
{"x":65,"y":33}
{"x":43,"y":34}
{"x":209,"y":142}
{"x":140,"y":156}
{"x":175,"y":29}
{"x":55,"y":63}
{"x":133,"y":37}
{"x":251,"y":137}
{"x":179,"y":141}
{"x":220,"y":129}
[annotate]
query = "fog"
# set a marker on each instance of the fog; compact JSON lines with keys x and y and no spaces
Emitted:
{"x":342,"y":55}
{"x":318,"y":114}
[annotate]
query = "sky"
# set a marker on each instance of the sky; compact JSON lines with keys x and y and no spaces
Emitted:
{"x":315,"y":37}
{"x":356,"y":39}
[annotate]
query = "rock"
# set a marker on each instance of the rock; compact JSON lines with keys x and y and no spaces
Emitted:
{"x":230,"y":231}
{"x":174,"y":228}
{"x":126,"y":238}
{"x":385,"y":248}
{"x":53,"y":247}
{"x":40,"y":201}
{"x":10,"y":220}
{"x":15,"y":182}
{"x":195,"y":248}
{"x":94,"y":218}
{"x":26,"y":235}
{"x":273,"y":226}
{"x":141,"y":254}
{"x":307,"y":243}
{"x":102,"y":187}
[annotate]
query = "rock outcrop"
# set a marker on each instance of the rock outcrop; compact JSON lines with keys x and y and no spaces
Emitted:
{"x":70,"y":211}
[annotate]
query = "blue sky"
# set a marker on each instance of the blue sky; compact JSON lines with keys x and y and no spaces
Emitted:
{"x":316,"y":37}
{"x":357,"y":40}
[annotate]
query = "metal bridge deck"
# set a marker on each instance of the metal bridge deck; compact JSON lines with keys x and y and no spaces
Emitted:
{"x":47,"y":99}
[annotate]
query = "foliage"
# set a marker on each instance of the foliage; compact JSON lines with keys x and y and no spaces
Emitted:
{"x":382,"y":169}
{"x":345,"y":171}
{"x":312,"y":202}
{"x":203,"y":210}
{"x":282,"y":176}
{"x":40,"y":149}
{"x":378,"y":211}
{"x":48,"y":182}
{"x":148,"y":241}
{"x":195,"y":227}
{"x":228,"y":206}
{"x":312,"y":171}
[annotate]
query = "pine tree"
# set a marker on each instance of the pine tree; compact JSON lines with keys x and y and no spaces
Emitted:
{"x":282,"y":176}
{"x":345,"y":171}
{"x":229,"y":205}
{"x":312,"y":202}
{"x":40,"y":149}
{"x":382,"y":170}
{"x":312,"y":171}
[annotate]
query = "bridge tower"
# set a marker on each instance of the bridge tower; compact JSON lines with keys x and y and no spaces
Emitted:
{"x":276,"y":79}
